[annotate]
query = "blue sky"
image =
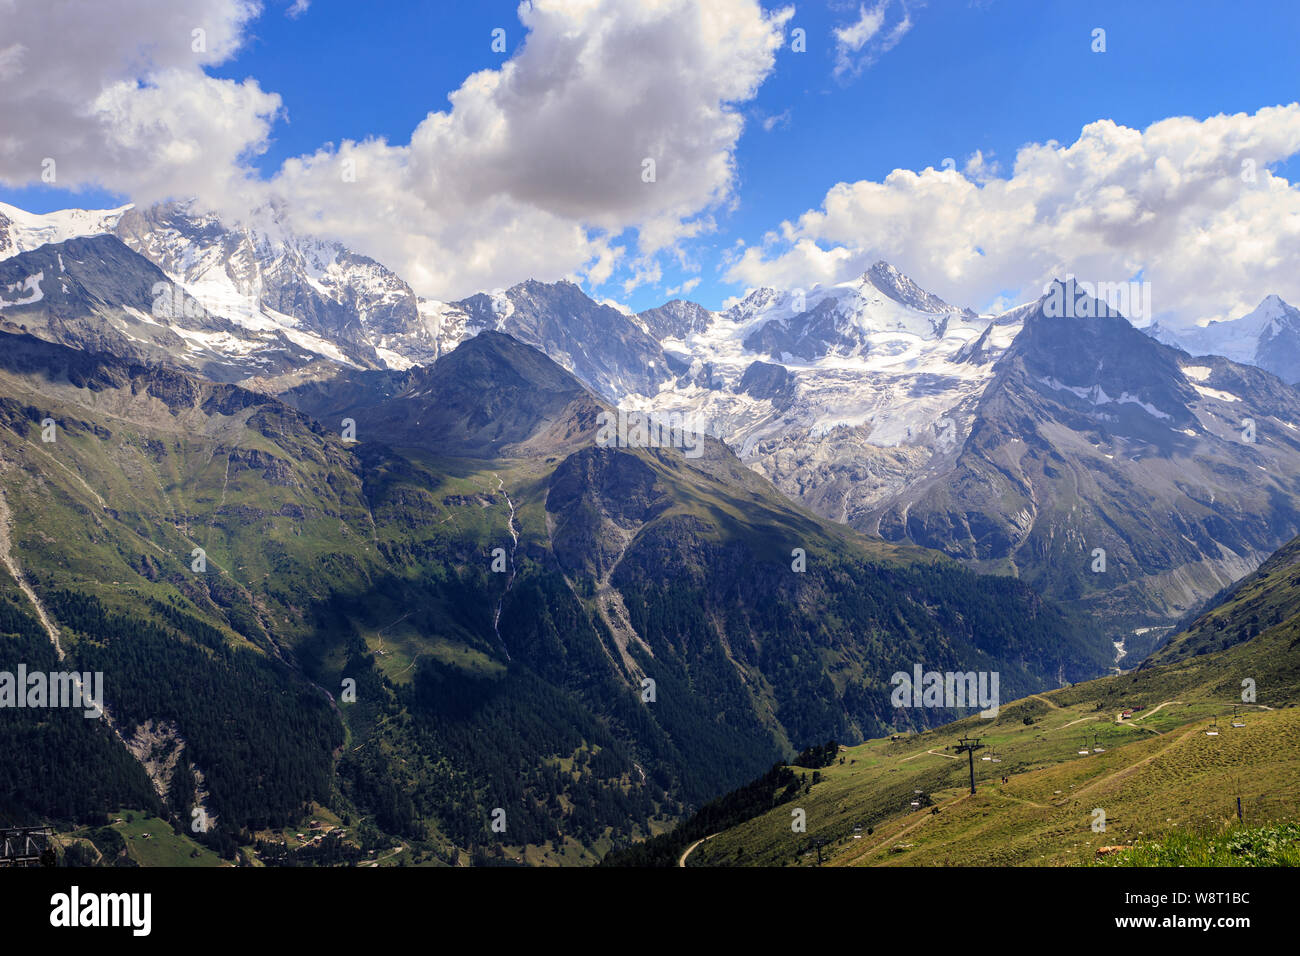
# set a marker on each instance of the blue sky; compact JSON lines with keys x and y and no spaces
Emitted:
{"x":989,"y":76}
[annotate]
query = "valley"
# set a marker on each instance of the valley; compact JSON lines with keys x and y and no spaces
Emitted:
{"x":1105,"y":771}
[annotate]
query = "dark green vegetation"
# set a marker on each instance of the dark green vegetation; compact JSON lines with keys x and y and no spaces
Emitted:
{"x":645,"y":646}
{"x":57,"y":764}
{"x":131,"y":838}
{"x":1213,"y":720}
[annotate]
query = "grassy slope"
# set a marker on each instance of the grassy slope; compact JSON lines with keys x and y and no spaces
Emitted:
{"x":148,"y":841}
{"x":1159,"y":774}
{"x":1272,"y":845}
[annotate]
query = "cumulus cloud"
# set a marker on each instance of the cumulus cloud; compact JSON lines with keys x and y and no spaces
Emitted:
{"x":1188,"y":205}
{"x":862,"y":42}
{"x":612,"y":117}
{"x":116,"y":94}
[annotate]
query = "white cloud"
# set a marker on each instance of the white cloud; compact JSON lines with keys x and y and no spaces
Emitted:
{"x":615,"y":304}
{"x":1170,"y":202}
{"x":686,"y":288}
{"x":535,"y":161}
{"x":854,"y":36}
{"x":115,"y":93}
{"x":781,"y":119}
{"x":861,"y":43}
{"x":527,"y":174}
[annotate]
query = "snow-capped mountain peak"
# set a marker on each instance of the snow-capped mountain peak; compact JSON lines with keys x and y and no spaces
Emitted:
{"x":1272,"y":314}
{"x":903,"y":290}
{"x":1268,"y":337}
{"x":261,"y":275}
{"x":22,"y":231}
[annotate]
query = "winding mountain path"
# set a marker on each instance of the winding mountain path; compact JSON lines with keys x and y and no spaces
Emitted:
{"x":923,"y":753}
{"x":691,"y":849}
{"x":846,"y":859}
{"x":1155,"y":708}
{"x":1133,"y":767}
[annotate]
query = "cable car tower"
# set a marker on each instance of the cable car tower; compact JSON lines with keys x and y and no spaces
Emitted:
{"x":968,"y":746}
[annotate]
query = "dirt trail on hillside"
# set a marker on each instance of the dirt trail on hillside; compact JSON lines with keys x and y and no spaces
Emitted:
{"x":846,"y":860}
{"x":691,"y":849}
{"x":1155,"y":708}
{"x":923,"y":753}
{"x":1125,"y":771}
{"x":1118,"y":774}
{"x":1079,"y":721}
{"x":1032,"y":803}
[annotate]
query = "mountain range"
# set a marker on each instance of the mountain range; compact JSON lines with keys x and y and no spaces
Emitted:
{"x":414,"y":496}
{"x":872,"y":402}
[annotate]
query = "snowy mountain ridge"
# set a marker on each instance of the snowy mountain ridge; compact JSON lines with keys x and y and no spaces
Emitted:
{"x":1267,"y":337}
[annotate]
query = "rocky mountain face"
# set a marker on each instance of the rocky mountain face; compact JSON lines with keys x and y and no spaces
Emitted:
{"x":1268,"y":338}
{"x":343,"y":307}
{"x":1267,"y":600}
{"x":1019,"y":443}
{"x":675,"y":320}
{"x":883,"y":312}
{"x":262,"y":277}
{"x":97,"y":294}
{"x":602,"y":346}
{"x":1114,"y":471}
{"x":490,"y":398}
